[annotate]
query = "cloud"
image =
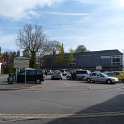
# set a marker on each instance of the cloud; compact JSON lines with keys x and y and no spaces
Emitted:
{"x":66,"y":14}
{"x":90,"y":1}
{"x":16,"y":9}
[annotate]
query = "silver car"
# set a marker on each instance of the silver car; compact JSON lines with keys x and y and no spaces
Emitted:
{"x":82,"y":74}
{"x":101,"y":77}
{"x":57,"y":75}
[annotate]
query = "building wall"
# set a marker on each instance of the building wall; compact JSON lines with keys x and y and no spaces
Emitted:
{"x":108,"y":60}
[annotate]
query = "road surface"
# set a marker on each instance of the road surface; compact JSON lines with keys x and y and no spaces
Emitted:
{"x":63,"y":102}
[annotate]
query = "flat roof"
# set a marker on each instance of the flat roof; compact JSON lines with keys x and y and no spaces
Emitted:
{"x":115,"y":51}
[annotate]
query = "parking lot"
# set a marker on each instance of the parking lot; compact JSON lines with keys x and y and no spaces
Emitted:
{"x":54,"y":100}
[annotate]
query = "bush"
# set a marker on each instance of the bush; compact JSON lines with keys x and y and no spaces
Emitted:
{"x":121,"y":76}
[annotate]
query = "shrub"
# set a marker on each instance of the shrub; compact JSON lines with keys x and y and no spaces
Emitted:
{"x":121,"y":76}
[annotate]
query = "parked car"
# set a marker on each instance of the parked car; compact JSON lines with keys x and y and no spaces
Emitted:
{"x":82,"y":74}
{"x":49,"y":72}
{"x":101,"y":77}
{"x":68,"y":76}
{"x":57,"y":75}
{"x":113,"y":73}
{"x":11,"y":78}
{"x":64,"y":72}
{"x":27,"y":75}
{"x":78,"y":74}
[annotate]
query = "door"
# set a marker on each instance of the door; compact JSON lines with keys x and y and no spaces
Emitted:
{"x":21,"y":77}
{"x":94,"y":77}
{"x":80,"y":74}
{"x":100,"y":78}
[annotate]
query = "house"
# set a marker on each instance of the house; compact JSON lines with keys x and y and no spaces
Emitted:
{"x":107,"y":60}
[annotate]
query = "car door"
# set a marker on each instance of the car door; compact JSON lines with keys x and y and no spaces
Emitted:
{"x":39,"y":75}
{"x":80,"y":74}
{"x":21,"y":77}
{"x":93,"y":76}
{"x":100,"y":78}
{"x":30,"y":75}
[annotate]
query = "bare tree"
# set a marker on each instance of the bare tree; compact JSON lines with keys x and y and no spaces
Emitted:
{"x":32,"y":39}
{"x":54,"y":46}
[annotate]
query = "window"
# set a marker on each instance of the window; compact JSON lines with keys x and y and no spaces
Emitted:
{"x":31,"y":72}
{"x":81,"y":72}
{"x":93,"y":74}
{"x":105,"y":57}
{"x":39,"y":72}
{"x":116,"y":60}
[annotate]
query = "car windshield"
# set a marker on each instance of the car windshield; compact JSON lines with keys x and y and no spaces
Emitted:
{"x":104,"y":75}
{"x":110,"y":74}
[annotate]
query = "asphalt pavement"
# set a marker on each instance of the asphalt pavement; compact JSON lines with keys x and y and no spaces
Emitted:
{"x":63,"y":102}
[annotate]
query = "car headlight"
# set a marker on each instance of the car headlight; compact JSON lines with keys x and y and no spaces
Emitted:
{"x":115,"y":79}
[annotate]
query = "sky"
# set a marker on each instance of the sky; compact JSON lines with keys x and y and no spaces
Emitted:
{"x":97,"y":24}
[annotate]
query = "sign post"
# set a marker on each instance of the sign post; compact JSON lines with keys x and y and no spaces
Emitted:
{"x":0,"y":67}
{"x":16,"y":74}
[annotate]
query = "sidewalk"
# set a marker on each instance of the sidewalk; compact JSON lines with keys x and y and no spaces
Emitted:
{"x":5,"y":87}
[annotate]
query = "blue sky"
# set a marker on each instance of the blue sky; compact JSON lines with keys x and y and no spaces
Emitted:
{"x":97,"y":24}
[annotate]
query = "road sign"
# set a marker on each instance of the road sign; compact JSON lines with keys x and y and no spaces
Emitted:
{"x":21,"y":62}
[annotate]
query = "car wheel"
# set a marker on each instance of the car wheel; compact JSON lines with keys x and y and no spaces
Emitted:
{"x":8,"y":80}
{"x":109,"y":82}
{"x":38,"y":81}
{"x":92,"y":81}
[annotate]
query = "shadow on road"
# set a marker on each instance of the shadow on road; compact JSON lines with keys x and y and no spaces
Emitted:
{"x":114,"y":106}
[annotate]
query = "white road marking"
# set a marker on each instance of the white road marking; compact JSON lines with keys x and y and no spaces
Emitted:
{"x":13,"y":117}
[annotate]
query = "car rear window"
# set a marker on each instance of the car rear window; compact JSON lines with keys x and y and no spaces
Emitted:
{"x":32,"y":72}
{"x":81,"y":72}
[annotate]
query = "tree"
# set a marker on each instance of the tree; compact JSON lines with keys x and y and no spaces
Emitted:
{"x":81,"y":48}
{"x":71,"y":56}
{"x":53,"y":47}
{"x":32,"y":39}
{"x":60,"y":57}
{"x":8,"y":62}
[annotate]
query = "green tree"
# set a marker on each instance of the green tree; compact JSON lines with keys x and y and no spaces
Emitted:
{"x":71,"y":56}
{"x":60,"y":57}
{"x":81,"y":48}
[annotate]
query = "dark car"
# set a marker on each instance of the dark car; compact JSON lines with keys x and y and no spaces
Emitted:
{"x":29,"y":75}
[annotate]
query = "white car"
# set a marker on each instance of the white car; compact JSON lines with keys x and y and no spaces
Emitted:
{"x":57,"y":75}
{"x":101,"y":77}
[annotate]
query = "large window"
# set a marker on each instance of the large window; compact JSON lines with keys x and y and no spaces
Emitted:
{"x":116,"y":60}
